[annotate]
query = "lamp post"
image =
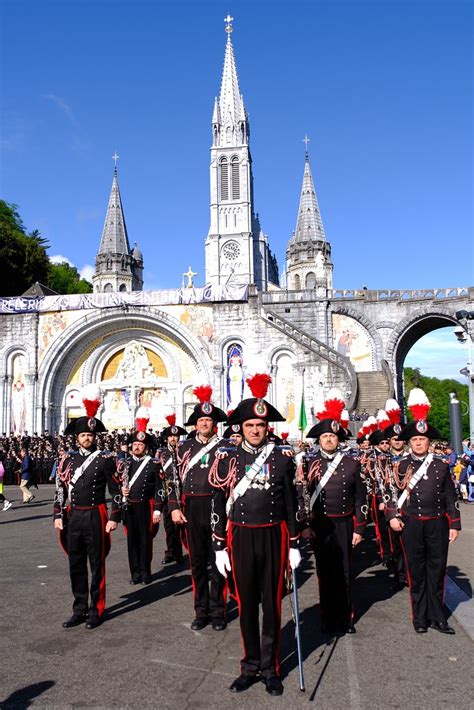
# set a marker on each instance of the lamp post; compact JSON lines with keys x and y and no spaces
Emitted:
{"x":463,"y":334}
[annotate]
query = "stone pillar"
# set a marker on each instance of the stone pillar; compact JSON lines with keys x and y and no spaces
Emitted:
{"x":8,"y":394}
{"x":30,"y":421}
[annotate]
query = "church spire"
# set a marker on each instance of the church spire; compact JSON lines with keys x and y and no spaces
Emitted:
{"x":117,"y":268}
{"x":309,"y":224}
{"x":308,"y":254}
{"x":229,"y":118}
{"x":114,"y":235}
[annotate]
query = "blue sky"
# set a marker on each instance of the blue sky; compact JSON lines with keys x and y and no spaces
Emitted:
{"x":383,"y":89}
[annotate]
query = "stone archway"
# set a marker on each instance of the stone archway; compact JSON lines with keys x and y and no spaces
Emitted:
{"x":406,"y":335}
{"x":92,"y":331}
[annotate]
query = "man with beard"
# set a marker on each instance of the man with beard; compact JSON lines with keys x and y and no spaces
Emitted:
{"x":143,"y":497}
{"x":195,"y":457}
{"x":80,"y":513}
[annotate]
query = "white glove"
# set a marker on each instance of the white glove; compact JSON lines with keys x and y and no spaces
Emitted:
{"x":223,"y":562}
{"x":295,"y":557}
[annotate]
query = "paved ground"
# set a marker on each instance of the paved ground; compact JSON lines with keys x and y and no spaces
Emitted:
{"x":145,"y":655}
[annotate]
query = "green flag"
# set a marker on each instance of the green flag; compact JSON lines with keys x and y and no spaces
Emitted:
{"x":302,"y":422}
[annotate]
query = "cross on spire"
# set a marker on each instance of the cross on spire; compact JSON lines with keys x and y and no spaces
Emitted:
{"x":306,"y":140}
{"x":228,"y":27}
{"x":115,"y":157}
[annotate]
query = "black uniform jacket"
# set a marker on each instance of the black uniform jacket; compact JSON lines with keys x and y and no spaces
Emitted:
{"x":432,"y":497}
{"x":344,"y":494}
{"x":194,"y":480}
{"x":269,"y":500}
{"x":89,"y":489}
{"x":149,"y":484}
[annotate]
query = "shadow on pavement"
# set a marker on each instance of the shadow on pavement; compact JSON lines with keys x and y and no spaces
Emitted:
{"x":460,"y":578}
{"x":23,"y":698}
{"x":149,"y":594}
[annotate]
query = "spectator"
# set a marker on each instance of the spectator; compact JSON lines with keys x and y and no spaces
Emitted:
{"x":26,"y":475}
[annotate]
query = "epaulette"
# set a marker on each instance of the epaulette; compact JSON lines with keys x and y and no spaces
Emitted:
{"x":107,"y":454}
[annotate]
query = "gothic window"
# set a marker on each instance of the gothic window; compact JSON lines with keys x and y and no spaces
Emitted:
{"x":108,"y":288}
{"x":235,"y":179}
{"x":224,"y":179}
{"x":235,"y":375}
{"x":297,"y":282}
{"x":122,"y":288}
{"x":310,"y":280}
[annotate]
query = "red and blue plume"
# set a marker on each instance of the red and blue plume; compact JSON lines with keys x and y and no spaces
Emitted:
{"x":383,"y":420}
{"x":203,"y":393}
{"x":334,"y":404}
{"x":91,"y":399}
{"x":418,"y":404}
{"x":171,"y":419}
{"x":142,"y":418}
{"x":393,"y":411}
{"x":259,"y":384}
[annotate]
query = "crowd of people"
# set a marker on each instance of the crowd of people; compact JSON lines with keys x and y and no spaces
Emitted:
{"x":241,"y":504}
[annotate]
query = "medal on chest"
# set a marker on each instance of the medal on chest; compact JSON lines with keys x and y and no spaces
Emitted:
{"x":261,"y":480}
{"x":205,"y":461}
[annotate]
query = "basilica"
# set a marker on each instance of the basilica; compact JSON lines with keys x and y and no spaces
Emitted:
{"x":150,"y":348}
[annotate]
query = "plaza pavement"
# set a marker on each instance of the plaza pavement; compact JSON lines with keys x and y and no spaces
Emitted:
{"x":146,"y":656}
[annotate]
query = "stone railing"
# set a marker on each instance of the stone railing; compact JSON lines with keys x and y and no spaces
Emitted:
{"x":318,"y":347}
{"x":430,"y":294}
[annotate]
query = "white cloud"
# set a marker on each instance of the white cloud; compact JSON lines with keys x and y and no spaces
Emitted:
{"x":87,"y":272}
{"x":63,"y":106}
{"x":60,"y":259}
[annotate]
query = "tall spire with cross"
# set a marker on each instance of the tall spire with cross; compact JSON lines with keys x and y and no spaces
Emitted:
{"x":117,"y":268}
{"x":236,"y":247}
{"x":309,"y":224}
{"x":308,"y":253}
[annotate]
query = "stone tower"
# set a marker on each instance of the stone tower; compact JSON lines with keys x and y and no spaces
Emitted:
{"x":117,"y":268}
{"x":236,"y":248}
{"x":308,"y":254}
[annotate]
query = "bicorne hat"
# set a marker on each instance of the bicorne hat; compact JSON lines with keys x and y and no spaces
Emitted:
{"x":205,"y":408}
{"x":330,"y":417}
{"x":89,"y":424}
{"x":256,"y":407}
{"x":419,"y":406}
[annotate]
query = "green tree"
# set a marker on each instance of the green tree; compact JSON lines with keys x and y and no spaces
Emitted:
{"x":24,"y":259}
{"x":22,"y":256}
{"x":438,"y":393}
{"x":64,"y":278}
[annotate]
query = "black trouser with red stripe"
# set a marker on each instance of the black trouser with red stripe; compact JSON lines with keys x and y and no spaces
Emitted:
{"x":174,"y":548}
{"x":425,"y":544}
{"x":332,"y":547}
{"x":138,"y":520}
{"x":87,"y":540}
{"x":398,"y":560}
{"x":258,"y":558}
{"x":197,"y":511}
{"x":381,"y":528}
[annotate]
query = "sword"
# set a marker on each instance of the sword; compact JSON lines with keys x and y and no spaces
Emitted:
{"x":297,"y":629}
